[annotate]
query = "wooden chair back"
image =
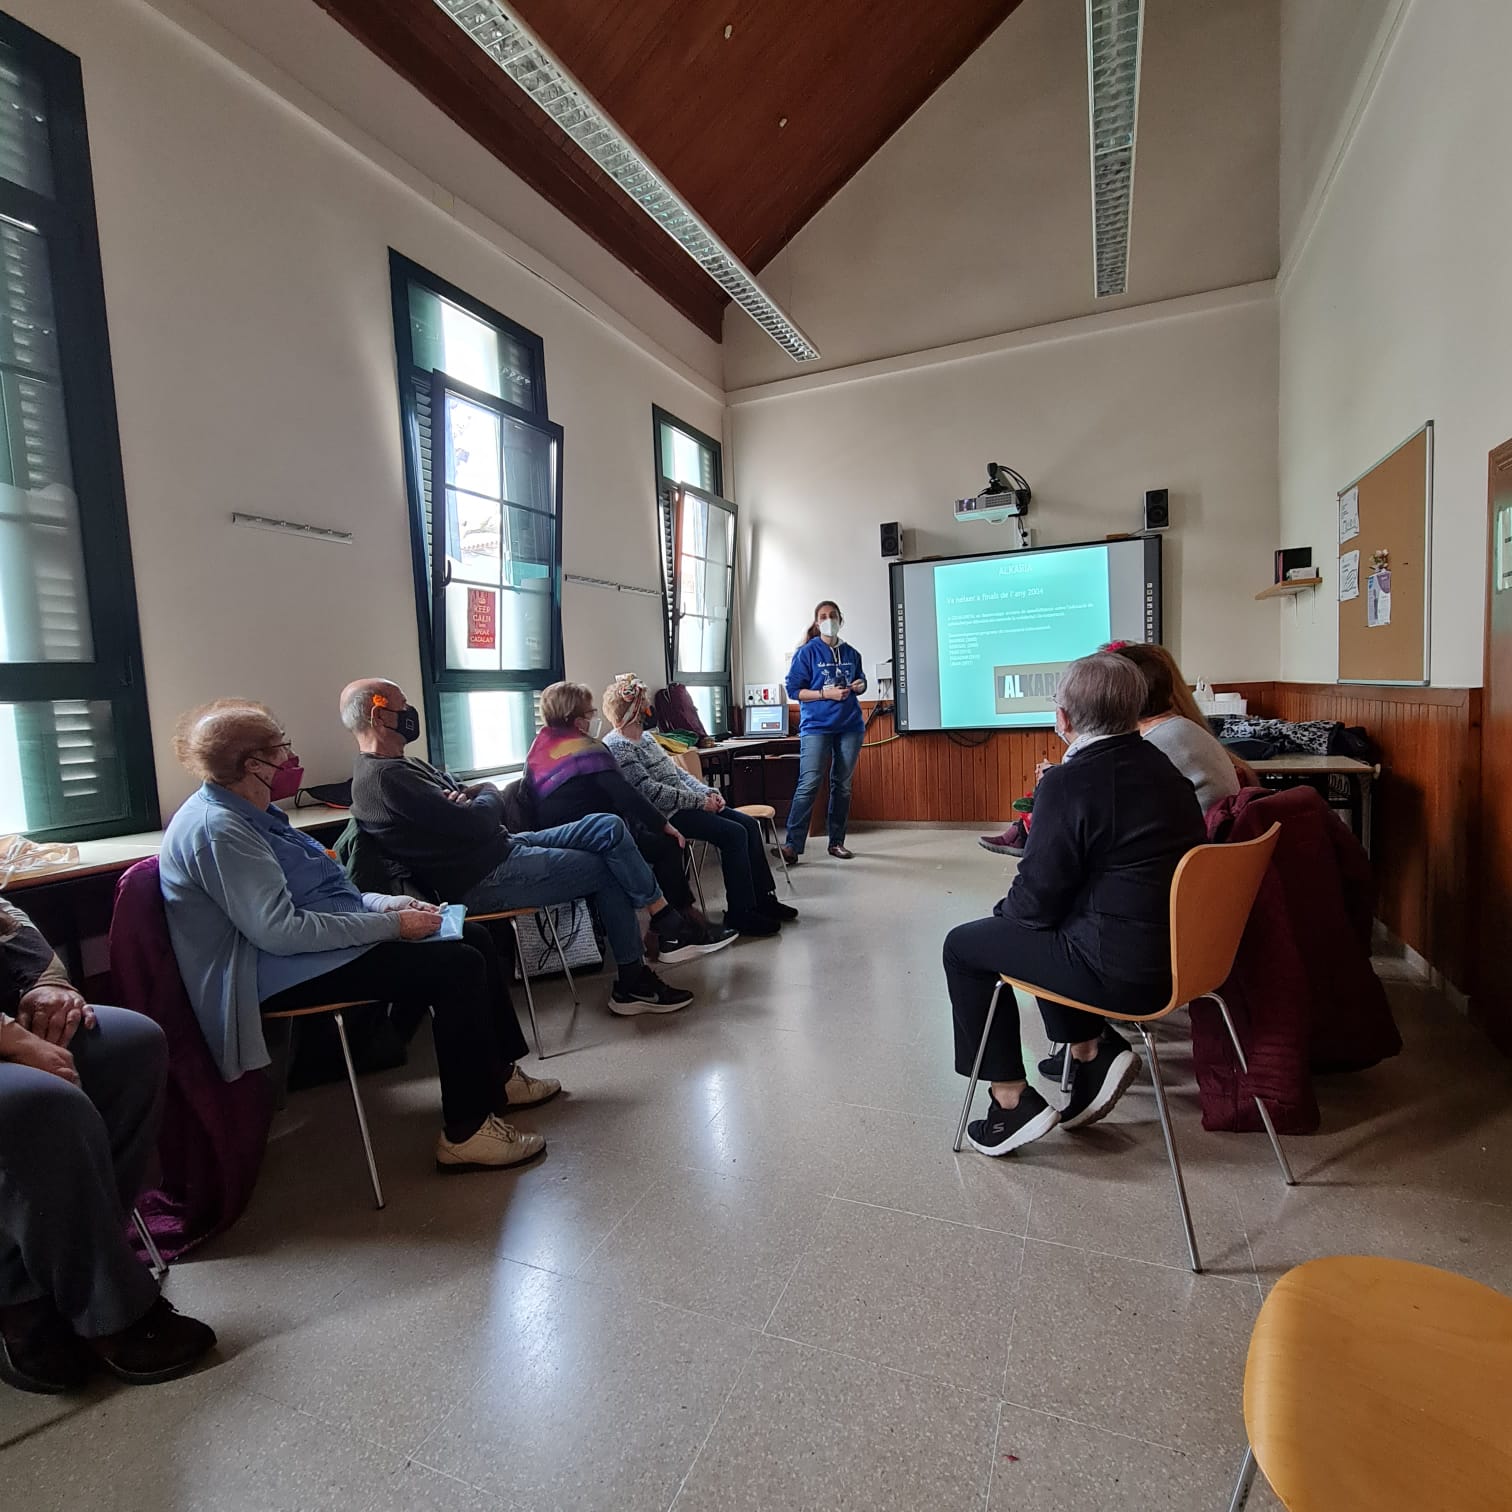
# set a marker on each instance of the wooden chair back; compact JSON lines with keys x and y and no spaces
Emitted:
{"x":1211,"y":896}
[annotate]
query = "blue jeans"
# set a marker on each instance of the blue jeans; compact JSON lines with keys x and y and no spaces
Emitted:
{"x":591,"y":858}
{"x":838,"y":751}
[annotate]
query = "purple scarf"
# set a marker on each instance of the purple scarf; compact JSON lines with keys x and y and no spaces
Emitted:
{"x":559,"y":753}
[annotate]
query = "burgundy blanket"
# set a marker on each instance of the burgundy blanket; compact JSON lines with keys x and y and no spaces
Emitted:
{"x":1303,"y":993}
{"x":214,"y":1132}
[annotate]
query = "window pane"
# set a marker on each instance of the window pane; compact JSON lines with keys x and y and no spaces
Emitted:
{"x":498,"y":623}
{"x":44,"y":601}
{"x":445,"y":338}
{"x":695,"y":519}
{"x":24,"y":155}
{"x":721,"y":543}
{"x":59,"y":766}
{"x":703,"y":701}
{"x":529,"y":467}
{"x":715,"y":632}
{"x":691,"y":597}
{"x":686,"y":460}
{"x":485,"y":732}
{"x":472,"y":447}
{"x":690,"y":634}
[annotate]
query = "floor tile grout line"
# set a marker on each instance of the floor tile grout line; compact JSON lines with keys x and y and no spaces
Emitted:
{"x":1062,"y":1417}
{"x":897,"y":1370}
{"x":576,"y":1272}
{"x":1165,"y":1265}
{"x":808,"y":1244}
{"x":1013,"y":1321}
{"x":718,"y":1419}
{"x":997,"y":1434}
{"x":976,"y":1228}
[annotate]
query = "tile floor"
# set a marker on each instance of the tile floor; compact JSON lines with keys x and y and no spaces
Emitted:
{"x":750,"y":1275}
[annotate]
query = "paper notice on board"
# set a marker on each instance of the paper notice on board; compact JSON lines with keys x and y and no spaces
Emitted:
{"x":1378,"y":599}
{"x":1349,"y":515}
{"x":1349,"y":576}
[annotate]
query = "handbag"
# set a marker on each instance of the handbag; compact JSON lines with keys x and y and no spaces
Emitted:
{"x":574,"y":928}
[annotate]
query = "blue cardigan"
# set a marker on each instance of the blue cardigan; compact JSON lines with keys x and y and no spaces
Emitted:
{"x":227,"y":899}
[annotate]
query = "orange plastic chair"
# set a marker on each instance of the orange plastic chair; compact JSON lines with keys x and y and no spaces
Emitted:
{"x":1211,"y":896}
{"x":1374,"y":1384}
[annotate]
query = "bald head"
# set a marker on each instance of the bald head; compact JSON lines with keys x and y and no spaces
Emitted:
{"x":364,"y":704}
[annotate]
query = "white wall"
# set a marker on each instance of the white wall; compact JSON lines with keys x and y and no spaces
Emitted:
{"x":1093,"y":412}
{"x":1396,"y":308}
{"x":245,"y":253}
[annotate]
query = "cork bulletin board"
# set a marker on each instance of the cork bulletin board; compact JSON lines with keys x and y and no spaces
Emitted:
{"x":1383,"y":624}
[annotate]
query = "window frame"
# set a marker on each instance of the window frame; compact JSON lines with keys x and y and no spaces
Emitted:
{"x":69,"y":228}
{"x":669,"y":497}
{"x":435,"y":678}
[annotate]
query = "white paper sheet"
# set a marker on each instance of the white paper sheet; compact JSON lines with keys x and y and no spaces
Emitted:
{"x":1349,"y":576}
{"x":1349,"y":515}
{"x":1378,"y":599}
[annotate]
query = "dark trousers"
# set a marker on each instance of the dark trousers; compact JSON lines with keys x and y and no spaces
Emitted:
{"x":665,"y":858}
{"x":72,"y":1163}
{"x":476,"y":1032}
{"x":742,"y":855}
{"x":975,"y":955}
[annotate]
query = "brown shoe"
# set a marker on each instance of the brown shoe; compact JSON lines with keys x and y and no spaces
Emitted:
{"x":840,"y":853}
{"x":160,"y":1346}
{"x":39,"y":1352}
{"x":789,"y":855}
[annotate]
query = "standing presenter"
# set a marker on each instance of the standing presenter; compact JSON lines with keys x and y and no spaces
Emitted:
{"x":826,"y":680}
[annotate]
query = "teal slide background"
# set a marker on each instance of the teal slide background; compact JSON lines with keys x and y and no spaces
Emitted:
{"x":1010,"y":612}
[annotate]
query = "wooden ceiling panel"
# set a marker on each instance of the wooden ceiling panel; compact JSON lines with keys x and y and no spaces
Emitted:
{"x":705,"y":109}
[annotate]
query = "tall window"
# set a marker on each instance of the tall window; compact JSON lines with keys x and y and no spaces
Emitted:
{"x":698,"y":565}
{"x":484,"y":471}
{"x":75,"y":754}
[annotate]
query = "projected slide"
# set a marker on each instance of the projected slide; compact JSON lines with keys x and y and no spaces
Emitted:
{"x":981,"y":642}
{"x":1007,"y":628}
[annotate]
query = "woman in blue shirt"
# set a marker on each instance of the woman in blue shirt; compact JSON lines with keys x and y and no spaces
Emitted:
{"x":262,"y":919}
{"x":826,"y":679}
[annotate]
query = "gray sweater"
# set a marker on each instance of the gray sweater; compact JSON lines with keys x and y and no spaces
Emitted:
{"x":654,"y":775}
{"x":1194,"y":752}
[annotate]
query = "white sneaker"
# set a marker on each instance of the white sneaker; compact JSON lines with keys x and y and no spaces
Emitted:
{"x":526,"y":1091}
{"x":495,"y":1147}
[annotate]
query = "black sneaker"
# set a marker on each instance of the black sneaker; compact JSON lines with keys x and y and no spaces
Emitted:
{"x":645,"y":992}
{"x":774,"y":908}
{"x":1005,"y":1129}
{"x":752,"y":923}
{"x":1097,"y":1084}
{"x":688,"y":940}
{"x":159,"y":1346}
{"x":1053,"y":1066}
{"x":39,"y":1352}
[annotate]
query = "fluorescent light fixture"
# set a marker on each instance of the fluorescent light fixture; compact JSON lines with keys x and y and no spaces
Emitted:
{"x":536,"y":70}
{"x":1115,"y":34}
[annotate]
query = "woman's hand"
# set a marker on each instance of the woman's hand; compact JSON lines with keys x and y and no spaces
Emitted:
{"x":418,"y":923}
{"x":1042,"y":768}
{"x":20,"y":1047}
{"x":713,"y":803}
{"x":676,"y":834}
{"x":837,"y":695}
{"x":54,"y":1013}
{"x":859,"y":686}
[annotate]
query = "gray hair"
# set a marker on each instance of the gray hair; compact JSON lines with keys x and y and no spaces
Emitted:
{"x":357,"y":700}
{"x":1102,"y":695}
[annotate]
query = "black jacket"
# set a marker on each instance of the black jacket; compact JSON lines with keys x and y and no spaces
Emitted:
{"x":1110,"y":826}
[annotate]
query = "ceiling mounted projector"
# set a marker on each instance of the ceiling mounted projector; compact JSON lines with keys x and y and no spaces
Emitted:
{"x":1006,"y":496}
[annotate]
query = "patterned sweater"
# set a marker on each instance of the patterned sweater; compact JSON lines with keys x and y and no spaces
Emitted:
{"x":654,"y":775}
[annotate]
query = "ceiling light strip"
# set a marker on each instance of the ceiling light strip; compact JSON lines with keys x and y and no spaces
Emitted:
{"x":526,"y":60}
{"x":1115,"y":38}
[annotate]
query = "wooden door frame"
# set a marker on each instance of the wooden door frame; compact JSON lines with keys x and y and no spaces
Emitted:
{"x":1498,"y":466}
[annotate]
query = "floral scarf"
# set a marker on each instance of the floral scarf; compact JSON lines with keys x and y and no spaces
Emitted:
{"x":559,"y":753}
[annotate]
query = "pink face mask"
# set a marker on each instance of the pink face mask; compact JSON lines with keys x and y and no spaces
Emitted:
{"x":288,"y":778}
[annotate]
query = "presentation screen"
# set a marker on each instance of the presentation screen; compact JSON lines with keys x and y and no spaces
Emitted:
{"x":980,"y":642}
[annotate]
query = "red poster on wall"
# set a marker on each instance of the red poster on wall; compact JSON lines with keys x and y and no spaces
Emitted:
{"x":482,"y":620}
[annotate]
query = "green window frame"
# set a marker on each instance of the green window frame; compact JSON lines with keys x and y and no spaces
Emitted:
{"x":75,"y":745}
{"x":483,"y":460}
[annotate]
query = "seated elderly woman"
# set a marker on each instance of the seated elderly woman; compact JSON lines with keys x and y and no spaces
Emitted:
{"x":1171,"y":721}
{"x":695,"y":810}
{"x":1088,"y":915}
{"x":81,"y":1104}
{"x":569,"y":775}
{"x":262,"y":919}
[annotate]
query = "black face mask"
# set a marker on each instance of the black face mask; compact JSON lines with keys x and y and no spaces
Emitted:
{"x":407,"y":722}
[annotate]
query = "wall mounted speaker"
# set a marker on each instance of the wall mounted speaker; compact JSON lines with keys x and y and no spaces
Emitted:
{"x":892,"y":540}
{"x":1157,"y":509}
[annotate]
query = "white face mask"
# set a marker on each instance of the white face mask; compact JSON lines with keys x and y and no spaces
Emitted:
{"x":829,"y":628}
{"x":1060,"y":726}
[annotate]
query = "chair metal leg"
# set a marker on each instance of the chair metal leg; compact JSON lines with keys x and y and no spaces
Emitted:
{"x":1170,"y":1144}
{"x":155,"y":1261}
{"x":787,"y":876}
{"x":535,"y":1027}
{"x":1246,"y":1480}
{"x":1265,"y":1118}
{"x":1067,"y":1069}
{"x":693,"y":868}
{"x":562,"y":956}
{"x":362,"y":1123}
{"x":976,"y":1066}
